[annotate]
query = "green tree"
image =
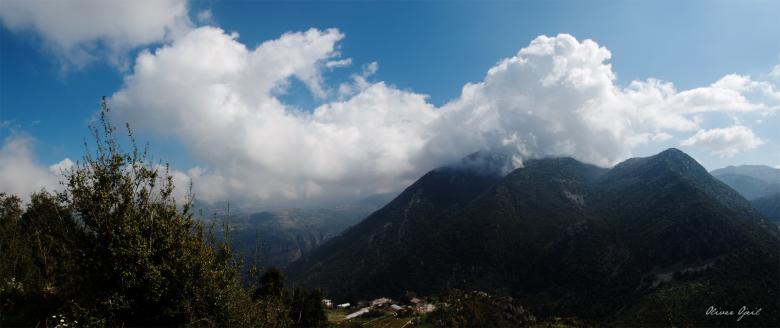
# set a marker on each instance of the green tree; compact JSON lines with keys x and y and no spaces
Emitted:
{"x":148,"y":260}
{"x":270,"y":284}
{"x":10,"y":241}
{"x":13,"y":260}
{"x":54,"y":236}
{"x":116,"y":248}
{"x":306,"y":309}
{"x":37,"y":252}
{"x":479,"y":309}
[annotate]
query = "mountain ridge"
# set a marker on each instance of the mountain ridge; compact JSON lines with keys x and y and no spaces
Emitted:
{"x":751,"y":181}
{"x":568,"y":237}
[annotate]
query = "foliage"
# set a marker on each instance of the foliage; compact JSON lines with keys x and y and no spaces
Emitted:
{"x":303,"y":307}
{"x":116,"y":248}
{"x":149,"y":261}
{"x":479,"y":309}
{"x":306,"y":309}
{"x":271,"y":284}
{"x":769,"y":206}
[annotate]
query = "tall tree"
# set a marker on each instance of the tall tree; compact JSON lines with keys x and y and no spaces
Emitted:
{"x":149,"y":260}
{"x":271,"y":284}
{"x":306,"y":309}
{"x":116,"y":248}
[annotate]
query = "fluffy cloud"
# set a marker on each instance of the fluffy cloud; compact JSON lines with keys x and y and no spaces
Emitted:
{"x":557,"y":96}
{"x":61,"y":167}
{"x":359,"y":81}
{"x":79,"y":30}
{"x":205,"y":17}
{"x":775,"y":73}
{"x":221,"y":100}
{"x":20,"y":173}
{"x":730,"y":93}
{"x":724,"y":142}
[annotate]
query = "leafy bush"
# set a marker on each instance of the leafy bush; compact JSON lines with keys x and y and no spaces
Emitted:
{"x":115,"y":248}
{"x":479,"y":309}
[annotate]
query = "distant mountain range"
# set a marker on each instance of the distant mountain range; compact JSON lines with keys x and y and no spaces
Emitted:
{"x":652,"y":241}
{"x":274,"y":238}
{"x":760,"y":184}
{"x":752,"y":181}
{"x":769,"y":206}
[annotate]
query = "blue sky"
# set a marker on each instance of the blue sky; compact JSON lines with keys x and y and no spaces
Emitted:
{"x":49,"y":91}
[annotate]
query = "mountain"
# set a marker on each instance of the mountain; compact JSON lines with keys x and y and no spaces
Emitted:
{"x":752,"y":181}
{"x":280,"y":236}
{"x":758,"y":183}
{"x":382,"y":247}
{"x":761,"y":172}
{"x":653,"y":240}
{"x":769,"y":206}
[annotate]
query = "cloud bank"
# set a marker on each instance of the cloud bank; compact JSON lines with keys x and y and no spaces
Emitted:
{"x":223,"y":101}
{"x":725,"y":142}
{"x":20,"y":173}
{"x":556,"y":96}
{"x":78,"y":31}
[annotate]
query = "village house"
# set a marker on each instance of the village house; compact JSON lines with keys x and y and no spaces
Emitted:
{"x":379,"y":302}
{"x":421,"y":308}
{"x":357,"y":313}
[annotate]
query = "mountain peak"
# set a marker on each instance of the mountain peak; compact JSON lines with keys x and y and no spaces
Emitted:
{"x":669,"y":166}
{"x":487,"y":162}
{"x":673,"y":152}
{"x":635,"y":232}
{"x":671,"y":159}
{"x":680,"y":161}
{"x":553,"y":161}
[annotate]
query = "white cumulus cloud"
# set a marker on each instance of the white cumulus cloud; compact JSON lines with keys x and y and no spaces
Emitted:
{"x":223,"y":101}
{"x":775,"y":73}
{"x":205,"y":17}
{"x":20,"y":172}
{"x":225,"y":109}
{"x":557,"y":96}
{"x":62,"y":166}
{"x":80,"y":30}
{"x":725,"y":142}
